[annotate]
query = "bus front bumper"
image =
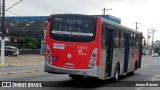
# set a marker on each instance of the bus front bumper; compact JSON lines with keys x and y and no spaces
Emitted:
{"x":58,"y":70}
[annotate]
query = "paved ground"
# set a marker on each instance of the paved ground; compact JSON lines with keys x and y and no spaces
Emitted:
{"x":154,"y":78}
{"x":23,"y":60}
{"x":149,"y":68}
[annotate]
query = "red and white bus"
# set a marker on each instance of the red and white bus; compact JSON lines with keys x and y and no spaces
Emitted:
{"x":86,"y":45}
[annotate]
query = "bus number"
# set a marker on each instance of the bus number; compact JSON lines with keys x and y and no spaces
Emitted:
{"x":73,"y":21}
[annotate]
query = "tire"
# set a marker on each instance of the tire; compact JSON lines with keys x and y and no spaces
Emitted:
{"x":132,"y":73}
{"x":116,"y":73}
{"x":11,"y":54}
{"x":16,"y":55}
{"x":136,"y":66}
{"x":76,"y":77}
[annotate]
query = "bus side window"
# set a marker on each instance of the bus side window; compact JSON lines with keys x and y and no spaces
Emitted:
{"x":134,"y":41}
{"x":137,"y":38}
{"x":121,"y":37}
{"x":116,"y":38}
{"x":103,"y":36}
{"x":131,"y":40}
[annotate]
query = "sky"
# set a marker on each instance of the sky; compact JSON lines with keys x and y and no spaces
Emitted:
{"x":145,"y":12}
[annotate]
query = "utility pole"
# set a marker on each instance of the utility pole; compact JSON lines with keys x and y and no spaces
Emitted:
{"x":2,"y":64}
{"x":152,"y":31}
{"x":153,"y":39}
{"x":148,"y":37}
{"x":105,"y":9}
{"x":0,"y":8}
{"x":137,"y":25}
{"x":2,"y":12}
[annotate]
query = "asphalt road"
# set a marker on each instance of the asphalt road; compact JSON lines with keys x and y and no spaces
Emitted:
{"x":150,"y":68}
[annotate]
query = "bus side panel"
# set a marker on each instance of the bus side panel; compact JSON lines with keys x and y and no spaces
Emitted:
{"x":121,"y":58}
{"x":131,"y":61}
{"x":116,"y":59}
{"x":47,"y":32}
{"x":100,"y":61}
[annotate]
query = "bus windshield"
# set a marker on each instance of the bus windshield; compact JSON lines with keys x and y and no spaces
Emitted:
{"x":73,"y":29}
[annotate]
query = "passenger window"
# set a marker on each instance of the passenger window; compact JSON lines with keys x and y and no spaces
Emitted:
{"x":121,"y":37}
{"x":103,"y":36}
{"x":116,"y":38}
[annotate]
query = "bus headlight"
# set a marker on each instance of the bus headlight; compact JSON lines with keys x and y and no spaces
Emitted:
{"x":93,"y":58}
{"x":48,"y":55}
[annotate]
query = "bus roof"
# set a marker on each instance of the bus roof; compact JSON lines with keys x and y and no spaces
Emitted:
{"x":120,"y":26}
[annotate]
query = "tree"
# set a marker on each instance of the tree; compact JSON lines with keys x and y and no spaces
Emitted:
{"x":31,"y":42}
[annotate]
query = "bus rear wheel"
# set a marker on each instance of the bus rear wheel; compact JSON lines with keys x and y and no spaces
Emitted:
{"x":116,"y":73}
{"x":76,"y":77}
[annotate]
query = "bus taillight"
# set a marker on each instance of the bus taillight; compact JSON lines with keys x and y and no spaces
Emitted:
{"x":93,"y":58}
{"x":48,"y":55}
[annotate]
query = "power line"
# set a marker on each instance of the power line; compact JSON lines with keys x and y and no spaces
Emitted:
{"x":22,"y":11}
{"x":97,"y":4}
{"x":36,"y":5}
{"x":88,"y":3}
{"x":50,"y":6}
{"x":42,"y":6}
{"x":13,"y":13}
{"x":13,"y":5}
{"x":91,"y":3}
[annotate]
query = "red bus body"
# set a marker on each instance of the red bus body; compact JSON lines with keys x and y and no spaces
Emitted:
{"x":87,"y":58}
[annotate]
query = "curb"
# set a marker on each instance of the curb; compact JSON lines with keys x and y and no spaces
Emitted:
{"x":1,"y":65}
{"x":19,"y":65}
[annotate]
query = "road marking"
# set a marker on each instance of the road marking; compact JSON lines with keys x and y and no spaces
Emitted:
{"x":156,"y":78}
{"x":151,"y":79}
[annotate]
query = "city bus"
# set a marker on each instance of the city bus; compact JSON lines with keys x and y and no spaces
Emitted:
{"x":91,"y":46}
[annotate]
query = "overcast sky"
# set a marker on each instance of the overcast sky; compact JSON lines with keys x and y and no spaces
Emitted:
{"x":146,"y":12}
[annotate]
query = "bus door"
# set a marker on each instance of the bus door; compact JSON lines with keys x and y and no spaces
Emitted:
{"x":109,"y":51}
{"x":126,"y":54}
{"x":140,"y":51}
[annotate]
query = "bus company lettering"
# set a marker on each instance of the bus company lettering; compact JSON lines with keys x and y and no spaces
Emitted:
{"x":81,"y":50}
{"x":58,"y":46}
{"x":15,"y":84}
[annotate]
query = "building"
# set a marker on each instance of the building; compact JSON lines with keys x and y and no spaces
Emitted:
{"x":23,"y":28}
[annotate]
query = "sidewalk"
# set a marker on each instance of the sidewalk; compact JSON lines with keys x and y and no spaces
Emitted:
{"x":145,"y":57}
{"x":23,"y":60}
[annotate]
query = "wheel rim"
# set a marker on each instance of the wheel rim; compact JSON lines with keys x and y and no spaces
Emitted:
{"x":117,"y":74}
